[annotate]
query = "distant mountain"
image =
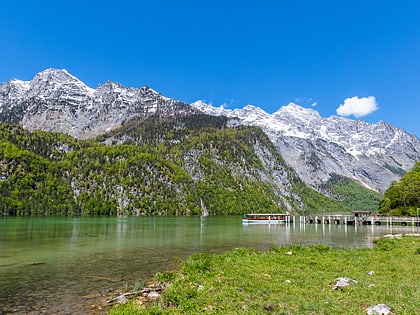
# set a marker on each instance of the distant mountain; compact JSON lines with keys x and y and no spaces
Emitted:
{"x":321,"y":150}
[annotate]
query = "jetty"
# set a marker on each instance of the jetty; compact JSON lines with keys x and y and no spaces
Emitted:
{"x":361,"y":218}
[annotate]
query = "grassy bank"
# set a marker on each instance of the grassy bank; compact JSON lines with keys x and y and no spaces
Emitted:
{"x":292,"y":280}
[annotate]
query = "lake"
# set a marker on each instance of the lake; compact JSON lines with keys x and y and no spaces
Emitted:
{"x":73,"y":265}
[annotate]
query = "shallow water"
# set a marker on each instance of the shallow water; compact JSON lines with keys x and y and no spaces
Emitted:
{"x":72,"y":265}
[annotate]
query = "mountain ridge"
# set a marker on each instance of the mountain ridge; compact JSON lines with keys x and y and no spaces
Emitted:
{"x":55,"y":100}
{"x":316,"y":147}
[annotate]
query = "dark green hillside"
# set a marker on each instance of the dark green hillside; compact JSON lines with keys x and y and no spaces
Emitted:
{"x":38,"y":178}
{"x":158,"y":166}
{"x":51,"y":145}
{"x":205,"y":132}
{"x":351,"y":193}
{"x":403,"y":197}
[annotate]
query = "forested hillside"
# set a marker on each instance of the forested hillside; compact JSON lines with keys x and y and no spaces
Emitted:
{"x":403,"y":197}
{"x":158,"y":166}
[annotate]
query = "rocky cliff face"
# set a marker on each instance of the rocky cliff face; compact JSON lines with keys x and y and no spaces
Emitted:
{"x":54,"y":100}
{"x":317,"y":147}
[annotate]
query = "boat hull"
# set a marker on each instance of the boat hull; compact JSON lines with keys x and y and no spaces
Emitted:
{"x":266,"y":218}
{"x":250,"y":221}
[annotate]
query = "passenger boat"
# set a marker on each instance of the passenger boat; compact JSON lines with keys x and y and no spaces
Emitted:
{"x":266,"y":218}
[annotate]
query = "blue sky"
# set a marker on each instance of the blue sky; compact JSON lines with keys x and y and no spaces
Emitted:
{"x":362,"y":55}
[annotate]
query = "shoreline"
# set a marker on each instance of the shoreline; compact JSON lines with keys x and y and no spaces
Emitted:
{"x":291,"y":280}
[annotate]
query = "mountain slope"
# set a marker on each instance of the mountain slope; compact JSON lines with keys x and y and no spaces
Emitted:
{"x":194,"y":163}
{"x":226,"y":171}
{"x":320,"y":148}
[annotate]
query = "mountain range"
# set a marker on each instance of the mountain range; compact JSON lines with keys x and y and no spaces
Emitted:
{"x":320,"y":150}
{"x":55,"y":100}
{"x":317,"y":147}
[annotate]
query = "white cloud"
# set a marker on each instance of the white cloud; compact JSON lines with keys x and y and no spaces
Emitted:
{"x":357,"y":106}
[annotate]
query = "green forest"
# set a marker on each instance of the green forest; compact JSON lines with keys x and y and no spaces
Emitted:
{"x":403,"y":197}
{"x":159,"y":167}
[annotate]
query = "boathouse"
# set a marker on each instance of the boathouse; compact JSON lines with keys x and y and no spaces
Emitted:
{"x":362,"y":214}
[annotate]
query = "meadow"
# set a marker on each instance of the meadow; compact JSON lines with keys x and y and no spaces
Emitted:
{"x":291,"y":280}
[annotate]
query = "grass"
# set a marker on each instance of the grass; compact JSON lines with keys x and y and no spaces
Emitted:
{"x":243,"y":281}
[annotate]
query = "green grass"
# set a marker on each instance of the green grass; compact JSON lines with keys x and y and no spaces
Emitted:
{"x":243,"y":281}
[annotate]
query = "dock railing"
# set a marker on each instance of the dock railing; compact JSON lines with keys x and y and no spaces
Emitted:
{"x":365,"y":220}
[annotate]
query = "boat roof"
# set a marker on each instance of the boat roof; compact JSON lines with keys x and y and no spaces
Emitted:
{"x":266,"y":214}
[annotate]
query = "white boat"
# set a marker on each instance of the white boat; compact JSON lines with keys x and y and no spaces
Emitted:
{"x":266,"y":218}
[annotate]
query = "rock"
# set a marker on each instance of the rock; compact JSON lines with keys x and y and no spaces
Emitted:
{"x":153,"y":295}
{"x":343,"y":282}
{"x":122,"y":299}
{"x":379,"y":309}
{"x":392,"y":236}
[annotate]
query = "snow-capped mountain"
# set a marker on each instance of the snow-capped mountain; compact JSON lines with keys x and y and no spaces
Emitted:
{"x":317,"y":147}
{"x":54,"y":100}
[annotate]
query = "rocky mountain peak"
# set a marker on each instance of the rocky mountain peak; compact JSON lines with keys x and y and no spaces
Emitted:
{"x":52,"y":74}
{"x":53,"y":83}
{"x":13,"y":89}
{"x":55,"y":100}
{"x":297,"y":112}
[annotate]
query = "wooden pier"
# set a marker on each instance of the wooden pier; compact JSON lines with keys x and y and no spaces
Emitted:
{"x":361,"y":220}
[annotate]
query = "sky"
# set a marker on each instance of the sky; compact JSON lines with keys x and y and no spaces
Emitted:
{"x":354,"y":58}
